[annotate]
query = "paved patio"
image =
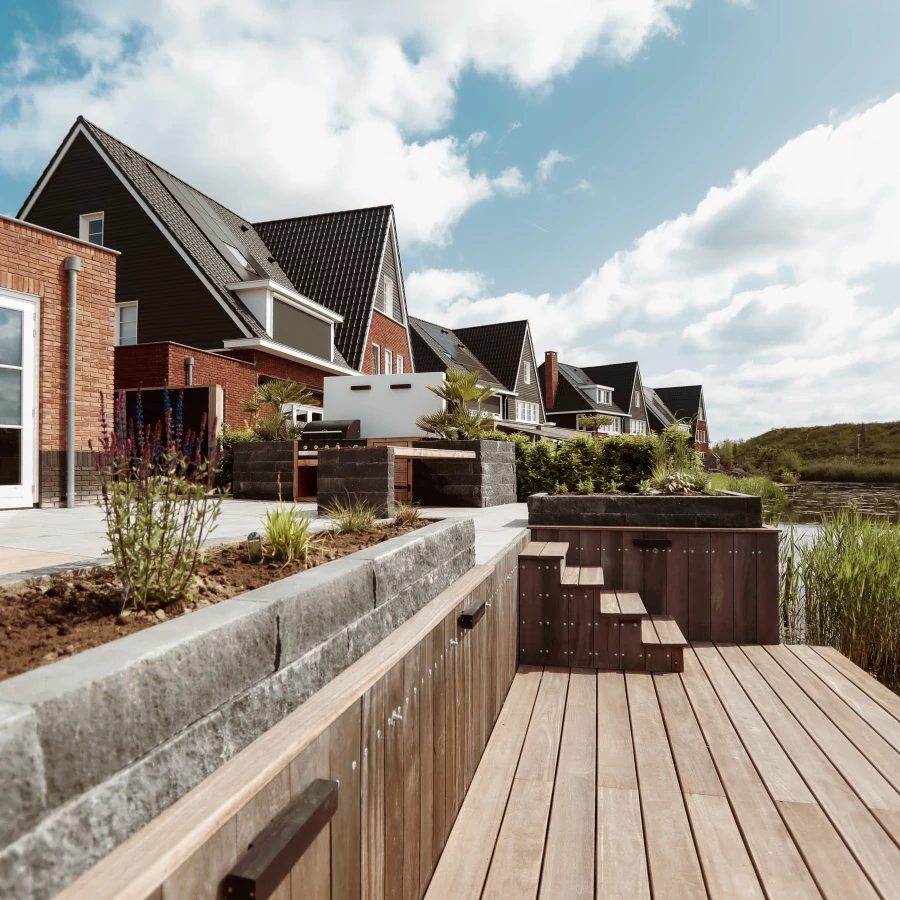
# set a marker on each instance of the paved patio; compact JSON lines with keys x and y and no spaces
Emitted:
{"x":35,"y":540}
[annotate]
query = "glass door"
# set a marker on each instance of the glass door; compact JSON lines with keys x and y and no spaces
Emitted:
{"x":17,"y":412}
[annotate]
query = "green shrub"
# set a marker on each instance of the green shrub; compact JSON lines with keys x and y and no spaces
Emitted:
{"x":286,"y":533}
{"x":585,"y":486}
{"x":227,"y":440}
{"x":627,"y":459}
{"x":352,"y":517}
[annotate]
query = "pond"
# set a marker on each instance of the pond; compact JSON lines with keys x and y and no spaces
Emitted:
{"x":810,"y":499}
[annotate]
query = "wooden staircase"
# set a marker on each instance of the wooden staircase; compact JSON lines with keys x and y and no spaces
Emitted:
{"x":567,"y":617}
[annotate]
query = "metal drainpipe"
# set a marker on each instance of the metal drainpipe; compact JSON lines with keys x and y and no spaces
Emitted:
{"x":72,"y":265}
{"x":189,"y":370}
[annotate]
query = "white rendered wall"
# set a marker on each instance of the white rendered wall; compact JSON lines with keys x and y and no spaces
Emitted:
{"x":381,"y":410}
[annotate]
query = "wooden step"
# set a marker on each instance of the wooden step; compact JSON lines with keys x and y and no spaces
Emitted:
{"x":668,"y":631}
{"x":621,"y":603}
{"x":583,"y":576}
{"x":555,"y":550}
{"x":663,"y":644}
{"x":533,"y":550}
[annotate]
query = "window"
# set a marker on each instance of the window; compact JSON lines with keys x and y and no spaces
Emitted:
{"x":527,"y":372}
{"x":387,"y":304}
{"x":388,"y":362}
{"x":376,"y":359}
{"x":637,"y":399}
{"x":90,"y":228}
{"x":399,"y":364}
{"x":240,"y":259}
{"x":126,"y":324}
{"x":638,"y":426}
{"x":526,"y":412}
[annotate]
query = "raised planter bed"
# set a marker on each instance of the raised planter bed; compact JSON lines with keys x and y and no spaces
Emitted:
{"x":638,"y":511}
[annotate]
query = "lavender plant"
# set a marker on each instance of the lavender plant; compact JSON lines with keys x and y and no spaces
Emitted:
{"x":159,"y":500}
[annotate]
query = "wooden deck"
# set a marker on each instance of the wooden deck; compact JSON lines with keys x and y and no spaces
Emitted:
{"x":760,"y":772}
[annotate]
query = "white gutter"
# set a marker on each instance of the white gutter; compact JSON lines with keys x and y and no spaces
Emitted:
{"x":285,"y":352}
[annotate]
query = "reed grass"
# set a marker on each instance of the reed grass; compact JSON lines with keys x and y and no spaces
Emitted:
{"x":840,"y":586}
{"x":407,"y":514}
{"x":851,"y":470}
{"x":758,"y":486}
{"x":352,"y":517}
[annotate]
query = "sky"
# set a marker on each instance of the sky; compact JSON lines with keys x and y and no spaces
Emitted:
{"x":710,"y":187}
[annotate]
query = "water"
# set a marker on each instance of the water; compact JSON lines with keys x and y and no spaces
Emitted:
{"x":809,"y":500}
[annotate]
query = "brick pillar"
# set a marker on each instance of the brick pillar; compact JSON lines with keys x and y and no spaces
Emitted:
{"x":551,"y":378}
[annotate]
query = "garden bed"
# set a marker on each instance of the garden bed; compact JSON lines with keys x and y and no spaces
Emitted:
{"x":53,"y":617}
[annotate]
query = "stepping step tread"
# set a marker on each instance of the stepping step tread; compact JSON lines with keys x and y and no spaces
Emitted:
{"x":609,"y":603}
{"x":648,"y":632}
{"x":570,"y":576}
{"x":533,"y":549}
{"x":555,"y":549}
{"x":630,"y":603}
{"x":668,"y":631}
{"x":591,"y":576}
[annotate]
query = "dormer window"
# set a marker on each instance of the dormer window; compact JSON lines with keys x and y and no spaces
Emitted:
{"x":90,"y":228}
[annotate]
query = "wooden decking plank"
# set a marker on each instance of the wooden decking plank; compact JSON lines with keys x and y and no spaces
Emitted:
{"x":668,"y":631}
{"x":533,"y":549}
{"x":774,"y":765}
{"x":854,"y":728}
{"x":609,"y":603}
{"x":875,"y":715}
{"x":878,"y":855}
{"x":516,"y":866}
{"x":671,"y":854}
{"x":541,"y":745}
{"x":648,"y":632}
{"x":726,"y":863}
{"x":555,"y":549}
{"x":870,"y":685}
{"x":463,"y":865}
{"x":621,"y":857}
{"x":696,"y":770}
{"x":615,"y":752}
{"x":591,"y":576}
{"x":630,"y":603}
{"x":569,"y":855}
{"x":778,"y":863}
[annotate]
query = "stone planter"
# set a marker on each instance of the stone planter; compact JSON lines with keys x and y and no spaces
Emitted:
{"x":638,"y":511}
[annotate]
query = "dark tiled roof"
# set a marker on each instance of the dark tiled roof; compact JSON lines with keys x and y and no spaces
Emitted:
{"x":499,"y":346}
{"x":683,"y":401}
{"x":436,"y":349}
{"x":571,"y":397}
{"x":334,"y":259}
{"x":658,"y":414}
{"x":620,"y":377}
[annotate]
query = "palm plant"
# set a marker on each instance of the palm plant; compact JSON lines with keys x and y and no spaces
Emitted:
{"x":459,"y":420}
{"x":266,"y":408}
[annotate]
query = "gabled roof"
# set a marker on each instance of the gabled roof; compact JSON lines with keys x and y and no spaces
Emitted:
{"x":335,"y":258}
{"x":621,"y":377}
{"x":570,"y":394}
{"x":436,"y":349}
{"x":683,"y":401}
{"x":499,"y":346}
{"x":202,"y":228}
{"x":658,"y":414}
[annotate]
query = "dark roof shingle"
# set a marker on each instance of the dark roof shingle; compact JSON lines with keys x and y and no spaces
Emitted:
{"x":499,"y":346}
{"x":437,"y":349}
{"x":683,"y":401}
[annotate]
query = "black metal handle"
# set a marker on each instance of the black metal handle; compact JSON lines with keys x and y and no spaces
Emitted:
{"x":279,"y":846}
{"x":401,"y":387}
{"x":471,"y":614}
{"x":360,"y":387}
{"x":652,"y":543}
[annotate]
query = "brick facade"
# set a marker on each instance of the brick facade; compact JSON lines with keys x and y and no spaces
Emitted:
{"x":152,"y":365}
{"x":31,"y":262}
{"x":389,"y":335}
{"x":701,"y":435}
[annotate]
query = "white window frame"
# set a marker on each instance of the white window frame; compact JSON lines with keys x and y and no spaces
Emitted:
{"x":637,"y":399}
{"x":376,"y":359}
{"x":118,"y":337}
{"x":527,"y":412}
{"x":84,"y":223}
{"x":615,"y":428}
{"x":399,"y":363}
{"x":388,"y":294}
{"x":527,"y":372}
{"x":388,"y":361}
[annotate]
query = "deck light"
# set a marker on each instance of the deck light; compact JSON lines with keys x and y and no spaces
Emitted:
{"x":254,"y":547}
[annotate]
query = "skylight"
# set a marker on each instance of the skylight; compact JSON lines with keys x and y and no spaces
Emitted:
{"x":241,"y":261}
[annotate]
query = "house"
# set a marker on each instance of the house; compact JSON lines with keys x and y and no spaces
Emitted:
{"x":205,"y":296}
{"x":502,"y":353}
{"x":49,"y":398}
{"x":616,"y":391}
{"x":687,"y":405}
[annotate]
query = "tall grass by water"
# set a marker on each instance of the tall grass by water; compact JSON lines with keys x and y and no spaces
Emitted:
{"x":840,"y":586}
{"x":758,"y":487}
{"x":850,"y":470}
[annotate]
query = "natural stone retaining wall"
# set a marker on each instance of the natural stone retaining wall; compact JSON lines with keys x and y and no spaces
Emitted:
{"x":95,"y":746}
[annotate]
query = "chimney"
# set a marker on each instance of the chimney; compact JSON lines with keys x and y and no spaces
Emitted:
{"x":551,"y":378}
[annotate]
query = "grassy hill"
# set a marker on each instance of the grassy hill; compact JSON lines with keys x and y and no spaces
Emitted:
{"x":878,"y":442}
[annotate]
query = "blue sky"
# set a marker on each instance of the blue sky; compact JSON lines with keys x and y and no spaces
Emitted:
{"x":776,"y":288}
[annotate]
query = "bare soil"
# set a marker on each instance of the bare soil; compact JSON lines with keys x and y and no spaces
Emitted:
{"x":46,"y":619}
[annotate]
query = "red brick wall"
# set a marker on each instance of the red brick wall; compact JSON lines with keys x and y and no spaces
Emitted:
{"x":31,"y":261}
{"x":701,"y":445}
{"x":152,"y":365}
{"x":390,"y":335}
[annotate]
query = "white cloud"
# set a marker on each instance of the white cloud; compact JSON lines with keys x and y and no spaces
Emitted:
{"x":281,"y":108}
{"x":780,"y":291}
{"x":511,"y":182}
{"x":476,"y":138}
{"x":546,"y":165}
{"x":583,"y":186}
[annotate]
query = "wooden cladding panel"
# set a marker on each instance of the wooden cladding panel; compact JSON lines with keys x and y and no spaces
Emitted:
{"x":744,"y":586}
{"x":721,"y":587}
{"x":698,"y":586}
{"x":677,"y":580}
{"x":767,"y":621}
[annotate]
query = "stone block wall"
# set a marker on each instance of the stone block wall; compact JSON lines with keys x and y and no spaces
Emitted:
{"x":487,"y":480}
{"x":94,"y":746}
{"x":357,"y":473}
{"x":262,"y":467}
